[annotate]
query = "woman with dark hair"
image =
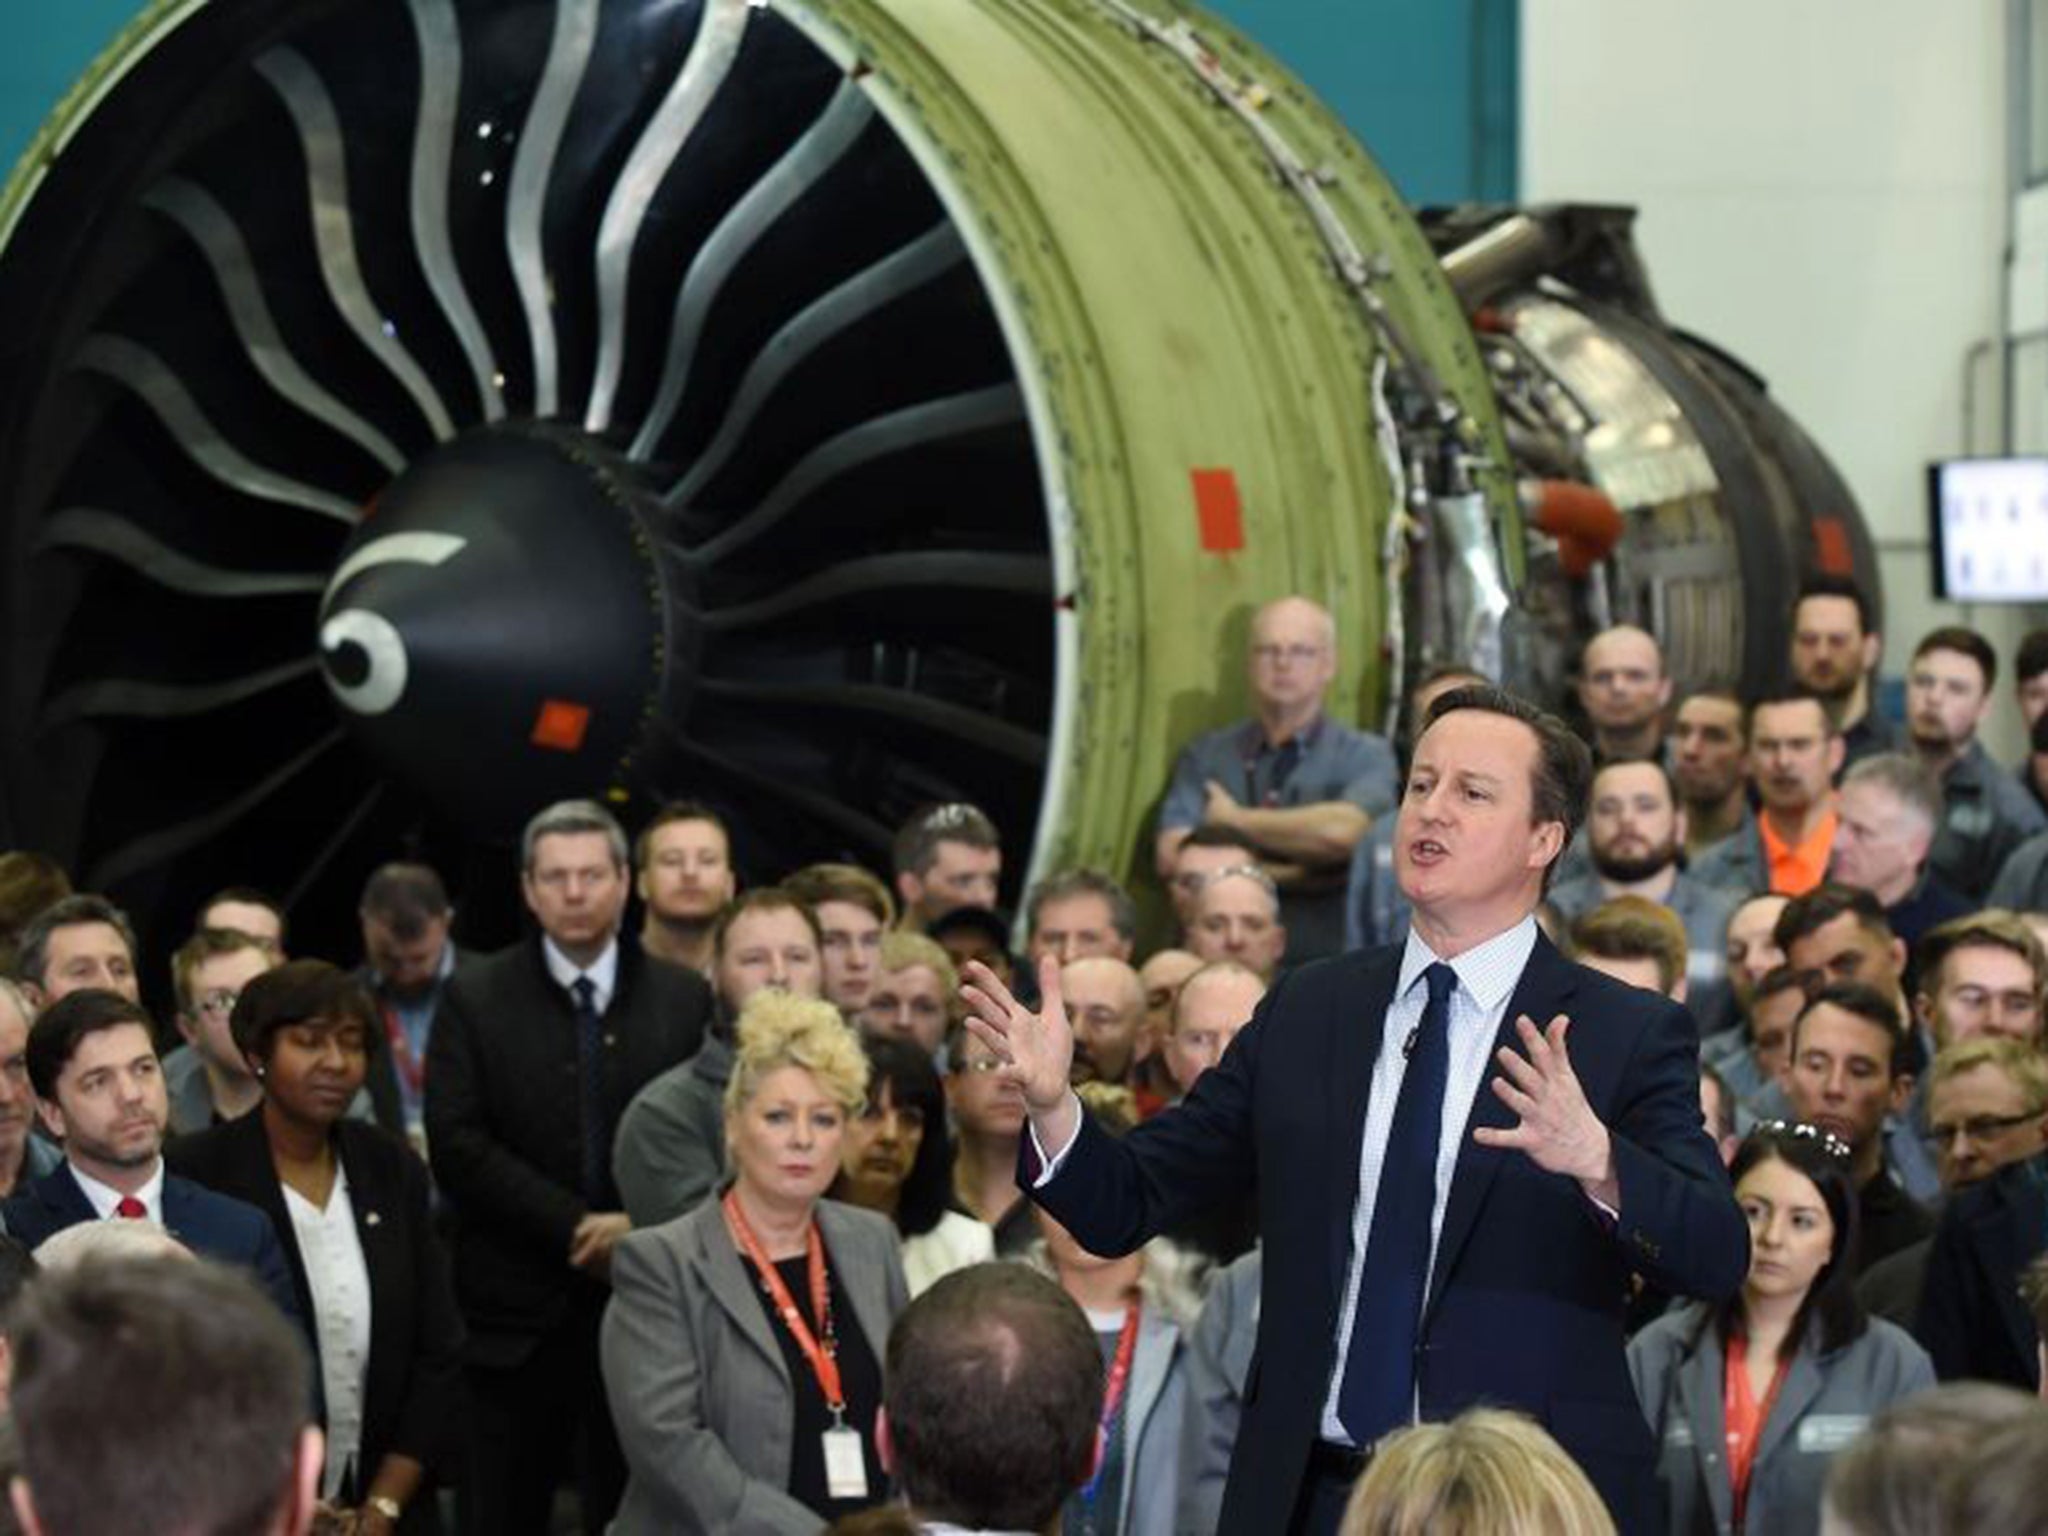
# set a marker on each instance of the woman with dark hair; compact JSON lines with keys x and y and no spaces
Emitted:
{"x":897,"y":1158}
{"x":1751,"y":1399}
{"x":350,"y":1204}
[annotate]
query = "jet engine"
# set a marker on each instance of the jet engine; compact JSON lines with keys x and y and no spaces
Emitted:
{"x":417,"y":410}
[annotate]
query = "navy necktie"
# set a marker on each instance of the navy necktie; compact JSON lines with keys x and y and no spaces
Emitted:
{"x":1378,"y":1390}
{"x":597,"y":1138}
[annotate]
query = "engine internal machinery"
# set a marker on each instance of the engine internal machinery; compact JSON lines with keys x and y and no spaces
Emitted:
{"x":416,"y":410}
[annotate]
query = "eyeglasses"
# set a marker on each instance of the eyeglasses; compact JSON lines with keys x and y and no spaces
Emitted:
{"x":980,"y":1066}
{"x":1300,"y":655}
{"x":1830,"y":1143}
{"x":219,"y":1003}
{"x":1977,"y":1128}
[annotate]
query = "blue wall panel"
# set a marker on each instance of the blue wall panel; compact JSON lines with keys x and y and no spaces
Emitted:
{"x":1429,"y":85}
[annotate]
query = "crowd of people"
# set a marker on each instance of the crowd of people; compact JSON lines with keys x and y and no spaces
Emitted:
{"x":776,"y":1209}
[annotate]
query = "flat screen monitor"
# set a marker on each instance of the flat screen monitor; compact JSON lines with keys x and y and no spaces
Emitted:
{"x":1990,"y":529}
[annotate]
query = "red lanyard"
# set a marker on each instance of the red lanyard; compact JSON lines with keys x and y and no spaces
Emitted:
{"x":1743,"y":1419}
{"x":410,"y":1067}
{"x":1113,"y":1393}
{"x":822,"y":1356}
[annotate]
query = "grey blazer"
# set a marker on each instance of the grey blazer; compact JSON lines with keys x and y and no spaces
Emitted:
{"x":1218,"y":1358}
{"x":696,"y":1381}
{"x":1824,"y":1404}
{"x":1155,"y":1406}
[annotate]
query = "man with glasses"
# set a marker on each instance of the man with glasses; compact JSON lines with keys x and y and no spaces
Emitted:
{"x":1987,"y":1108}
{"x":207,"y":1078}
{"x":1981,"y":975}
{"x":1303,"y":788}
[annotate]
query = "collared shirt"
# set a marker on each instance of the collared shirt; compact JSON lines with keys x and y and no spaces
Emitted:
{"x":415,"y":1016}
{"x":1487,"y":974}
{"x":603,"y":971}
{"x":104,"y":1197}
{"x":339,"y":1279}
{"x":1796,"y":868}
{"x":1326,"y":762}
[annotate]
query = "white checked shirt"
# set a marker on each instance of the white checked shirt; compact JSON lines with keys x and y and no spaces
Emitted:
{"x":603,"y":972}
{"x":1487,"y":974}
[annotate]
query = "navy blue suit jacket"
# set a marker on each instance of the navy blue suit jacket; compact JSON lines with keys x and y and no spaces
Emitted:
{"x":229,"y":1230}
{"x":1525,"y":1300}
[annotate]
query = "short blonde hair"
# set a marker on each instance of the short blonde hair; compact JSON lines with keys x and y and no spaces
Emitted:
{"x":1485,"y":1472}
{"x":2017,"y":1059}
{"x":1633,"y":928}
{"x":776,"y":1030}
{"x":902,"y":949}
{"x":94,"y":1242}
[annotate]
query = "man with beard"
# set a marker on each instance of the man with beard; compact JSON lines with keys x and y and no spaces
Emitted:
{"x":1709,"y":752}
{"x":685,"y":864}
{"x":1985,"y":813}
{"x":408,"y":958}
{"x":1835,"y":652}
{"x":2030,"y":688}
{"x":100,"y":1090}
{"x":1635,"y":830}
{"x":1794,"y":754}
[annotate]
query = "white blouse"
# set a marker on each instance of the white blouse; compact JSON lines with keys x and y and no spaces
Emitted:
{"x":956,"y":1242}
{"x":339,"y":1279}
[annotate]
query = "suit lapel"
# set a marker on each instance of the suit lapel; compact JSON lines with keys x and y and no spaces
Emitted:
{"x":731,"y":1284}
{"x":2008,"y":1234}
{"x":1542,"y":993}
{"x":1353,"y":1048}
{"x":66,"y":1199}
{"x":1698,"y":1382}
{"x":1803,"y":1383}
{"x":855,"y":1269}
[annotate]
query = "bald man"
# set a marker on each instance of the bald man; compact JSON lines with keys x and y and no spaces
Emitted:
{"x":1106,"y":1007}
{"x":1302,"y":788}
{"x":1624,"y":690}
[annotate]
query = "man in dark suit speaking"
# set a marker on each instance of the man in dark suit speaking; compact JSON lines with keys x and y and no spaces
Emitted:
{"x":1427,"y":1245}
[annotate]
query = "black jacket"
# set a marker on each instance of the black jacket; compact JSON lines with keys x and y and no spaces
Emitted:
{"x":504,"y":1126}
{"x":1972,"y":1320}
{"x":412,"y":1385}
{"x":1525,"y":1303}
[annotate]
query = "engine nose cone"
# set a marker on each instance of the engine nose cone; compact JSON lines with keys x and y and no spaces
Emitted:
{"x":494,"y":632}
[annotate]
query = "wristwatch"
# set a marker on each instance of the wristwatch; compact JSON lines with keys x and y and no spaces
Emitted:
{"x":386,"y":1506}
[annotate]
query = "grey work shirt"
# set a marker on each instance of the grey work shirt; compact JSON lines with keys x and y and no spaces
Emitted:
{"x":1986,"y":814}
{"x":1705,"y":910}
{"x":1325,"y":762}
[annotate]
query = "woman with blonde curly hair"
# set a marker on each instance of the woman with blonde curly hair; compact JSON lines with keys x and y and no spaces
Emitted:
{"x":743,"y":1343}
{"x":1486,"y":1473}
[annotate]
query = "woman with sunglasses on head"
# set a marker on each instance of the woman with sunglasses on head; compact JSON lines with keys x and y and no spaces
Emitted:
{"x":1750,"y":1400}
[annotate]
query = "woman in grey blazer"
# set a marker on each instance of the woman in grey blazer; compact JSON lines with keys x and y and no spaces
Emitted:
{"x":1751,"y":1400}
{"x":742,"y":1405}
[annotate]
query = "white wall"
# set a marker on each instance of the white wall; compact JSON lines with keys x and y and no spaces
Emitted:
{"x":1822,"y":191}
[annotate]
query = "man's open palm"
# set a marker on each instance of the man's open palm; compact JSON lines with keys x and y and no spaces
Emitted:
{"x":1036,"y":1049}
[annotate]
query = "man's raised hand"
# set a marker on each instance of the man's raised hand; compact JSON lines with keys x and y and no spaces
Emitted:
{"x":1035,"y":1050}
